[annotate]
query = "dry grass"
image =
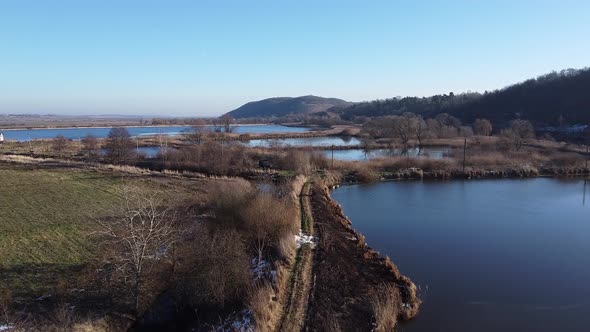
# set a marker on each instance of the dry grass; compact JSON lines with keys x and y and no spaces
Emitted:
{"x":264,"y":308}
{"x":384,"y":302}
{"x":287,"y":248}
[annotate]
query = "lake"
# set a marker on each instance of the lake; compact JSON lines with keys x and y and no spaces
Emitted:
{"x":359,"y":154}
{"x":489,"y":255}
{"x":77,"y":133}
{"x":306,"y":141}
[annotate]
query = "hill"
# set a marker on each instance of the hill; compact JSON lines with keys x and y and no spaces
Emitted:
{"x":556,"y":98}
{"x":283,"y":106}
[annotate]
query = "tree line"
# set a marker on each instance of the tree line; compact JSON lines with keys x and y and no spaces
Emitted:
{"x":556,"y":98}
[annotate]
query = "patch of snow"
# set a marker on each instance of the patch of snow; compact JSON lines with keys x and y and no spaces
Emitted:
{"x":43,"y":297}
{"x":301,"y":239}
{"x":240,"y":323}
{"x":5,"y":327}
{"x":263,"y":271}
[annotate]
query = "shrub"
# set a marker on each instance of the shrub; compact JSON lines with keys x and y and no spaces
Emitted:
{"x":215,"y":268}
{"x":298,"y":161}
{"x":268,"y":220}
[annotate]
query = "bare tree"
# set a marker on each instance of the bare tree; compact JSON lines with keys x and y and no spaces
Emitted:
{"x":449,"y":125}
{"x":119,"y":145}
{"x":59,"y":144}
{"x":402,"y":126}
{"x":434,"y":127}
{"x":90,"y":146}
{"x":518,"y":132}
{"x":227,"y":122}
{"x":420,"y":131}
{"x":197,"y":132}
{"x":482,"y":127}
{"x":140,"y":234}
{"x":465,"y":131}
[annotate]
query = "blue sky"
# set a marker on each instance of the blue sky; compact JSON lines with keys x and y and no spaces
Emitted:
{"x":204,"y":58}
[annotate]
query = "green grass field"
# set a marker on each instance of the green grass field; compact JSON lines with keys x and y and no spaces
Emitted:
{"x":45,"y":214}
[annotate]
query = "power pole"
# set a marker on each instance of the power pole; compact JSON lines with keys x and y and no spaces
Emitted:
{"x":587,"y":156}
{"x":332,"y":156}
{"x":137,"y":148}
{"x":464,"y":153}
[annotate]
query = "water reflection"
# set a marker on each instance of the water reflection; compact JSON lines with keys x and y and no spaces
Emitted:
{"x":490,"y":255}
{"x":363,"y":154}
{"x":78,"y":133}
{"x":306,"y":141}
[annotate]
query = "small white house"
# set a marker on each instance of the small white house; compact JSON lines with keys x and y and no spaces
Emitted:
{"x":1,"y":138}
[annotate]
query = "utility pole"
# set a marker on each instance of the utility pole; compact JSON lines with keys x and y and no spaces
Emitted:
{"x":587,"y":156}
{"x":332,"y":156}
{"x":464,"y":153}
{"x":137,"y":148}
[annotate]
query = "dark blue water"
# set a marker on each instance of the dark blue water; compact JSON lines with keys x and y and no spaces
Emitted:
{"x":360,"y":154}
{"x":77,"y":133}
{"x":307,"y":141}
{"x":489,"y":255}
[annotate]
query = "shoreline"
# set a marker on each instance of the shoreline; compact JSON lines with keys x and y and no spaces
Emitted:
{"x":346,"y":270}
{"x":141,"y":126}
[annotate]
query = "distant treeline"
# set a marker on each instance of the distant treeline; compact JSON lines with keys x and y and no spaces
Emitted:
{"x":558,"y":98}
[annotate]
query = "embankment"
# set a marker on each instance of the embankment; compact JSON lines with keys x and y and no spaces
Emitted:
{"x":346,"y":271}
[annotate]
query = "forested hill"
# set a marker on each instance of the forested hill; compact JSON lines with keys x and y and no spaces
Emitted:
{"x":283,"y":106}
{"x":547,"y":100}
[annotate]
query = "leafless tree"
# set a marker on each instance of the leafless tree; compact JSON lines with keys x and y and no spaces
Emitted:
{"x":139,"y":235}
{"x":197,"y":132}
{"x":59,"y":144}
{"x":402,"y":129}
{"x":465,"y":131}
{"x":227,"y":122}
{"x":163,"y":143}
{"x":119,"y":145}
{"x":518,"y":132}
{"x":90,"y":146}
{"x":482,"y":127}
{"x":434,"y":127}
{"x":420,"y":131}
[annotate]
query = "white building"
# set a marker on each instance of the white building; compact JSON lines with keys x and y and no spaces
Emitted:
{"x":1,"y":138}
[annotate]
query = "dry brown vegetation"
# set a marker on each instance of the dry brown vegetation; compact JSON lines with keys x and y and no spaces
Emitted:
{"x":385,"y":302}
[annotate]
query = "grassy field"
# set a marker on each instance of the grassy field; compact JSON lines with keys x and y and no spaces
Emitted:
{"x":47,"y":213}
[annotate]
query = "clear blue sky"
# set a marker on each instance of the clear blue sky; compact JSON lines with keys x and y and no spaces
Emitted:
{"x":208,"y":57}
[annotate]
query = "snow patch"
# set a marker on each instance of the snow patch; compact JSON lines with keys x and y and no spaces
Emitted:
{"x":43,"y":297}
{"x":301,"y":239}
{"x":5,"y":327}
{"x":263,"y":271}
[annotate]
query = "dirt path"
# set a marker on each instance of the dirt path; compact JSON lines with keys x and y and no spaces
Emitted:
{"x":299,"y":289}
{"x":345,"y":271}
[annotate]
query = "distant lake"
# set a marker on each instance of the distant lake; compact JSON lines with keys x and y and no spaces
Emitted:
{"x":77,"y":133}
{"x":306,"y":141}
{"x":359,"y":154}
{"x":488,"y":255}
